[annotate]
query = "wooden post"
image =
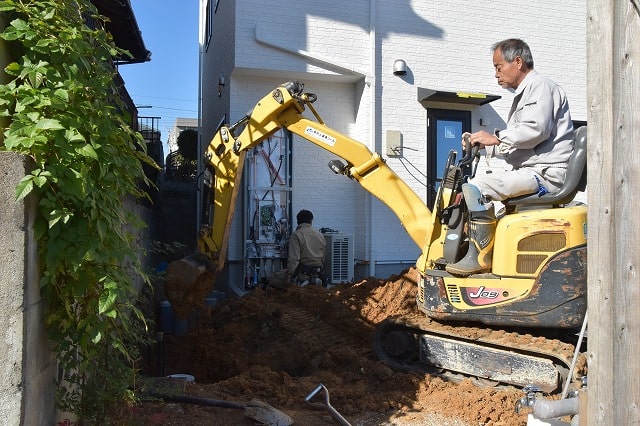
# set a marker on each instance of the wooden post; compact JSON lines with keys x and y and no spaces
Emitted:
{"x":613,"y":92}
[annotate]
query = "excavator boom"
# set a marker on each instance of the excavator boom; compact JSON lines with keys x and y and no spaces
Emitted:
{"x":283,"y":109}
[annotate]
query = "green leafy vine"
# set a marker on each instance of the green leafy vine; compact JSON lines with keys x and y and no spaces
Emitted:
{"x":63,"y":111}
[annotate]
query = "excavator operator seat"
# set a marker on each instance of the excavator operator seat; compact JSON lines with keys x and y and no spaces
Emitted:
{"x":575,"y":181}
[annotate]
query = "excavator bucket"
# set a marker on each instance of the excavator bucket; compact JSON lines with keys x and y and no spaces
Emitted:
{"x":188,"y":281}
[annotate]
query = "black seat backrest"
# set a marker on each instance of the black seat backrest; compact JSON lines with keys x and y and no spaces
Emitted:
{"x":576,"y":179}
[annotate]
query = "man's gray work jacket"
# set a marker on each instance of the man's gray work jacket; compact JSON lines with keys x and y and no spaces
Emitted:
{"x":539,"y":129}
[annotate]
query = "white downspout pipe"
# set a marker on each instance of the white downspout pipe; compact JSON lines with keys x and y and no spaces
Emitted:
{"x":372,"y":127}
{"x":201,"y":36}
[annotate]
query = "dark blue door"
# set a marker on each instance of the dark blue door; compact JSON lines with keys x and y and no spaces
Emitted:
{"x":444,"y":133}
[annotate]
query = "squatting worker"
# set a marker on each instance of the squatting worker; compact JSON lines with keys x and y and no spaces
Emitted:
{"x":306,"y":251}
{"x":537,"y":143}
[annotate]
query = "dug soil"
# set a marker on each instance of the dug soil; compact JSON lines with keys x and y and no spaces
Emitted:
{"x":278,"y":346}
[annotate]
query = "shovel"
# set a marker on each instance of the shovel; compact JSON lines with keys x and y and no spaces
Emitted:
{"x":327,"y":404}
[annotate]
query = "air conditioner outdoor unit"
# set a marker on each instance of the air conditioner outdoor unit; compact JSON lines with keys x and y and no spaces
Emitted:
{"x":338,"y":263}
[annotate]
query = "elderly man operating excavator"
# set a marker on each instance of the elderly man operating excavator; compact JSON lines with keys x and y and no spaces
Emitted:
{"x":537,"y":143}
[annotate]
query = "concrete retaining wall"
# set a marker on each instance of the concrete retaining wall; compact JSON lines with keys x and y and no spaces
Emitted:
{"x":27,"y":368}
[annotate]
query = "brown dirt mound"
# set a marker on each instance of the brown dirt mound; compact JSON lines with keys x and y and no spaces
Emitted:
{"x":279,"y":345}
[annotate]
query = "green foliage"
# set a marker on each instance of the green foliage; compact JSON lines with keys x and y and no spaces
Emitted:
{"x":188,"y":144}
{"x":64,"y":113}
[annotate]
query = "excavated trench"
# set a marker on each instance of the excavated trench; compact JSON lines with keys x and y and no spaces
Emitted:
{"x":279,"y":345}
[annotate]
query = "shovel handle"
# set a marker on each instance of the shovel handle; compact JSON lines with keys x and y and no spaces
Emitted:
{"x":327,"y":404}
{"x":315,"y":392}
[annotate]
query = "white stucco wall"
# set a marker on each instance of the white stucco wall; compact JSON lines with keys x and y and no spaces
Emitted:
{"x":344,"y":52}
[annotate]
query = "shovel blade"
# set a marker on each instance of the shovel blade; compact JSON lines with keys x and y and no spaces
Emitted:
{"x":266,"y":414}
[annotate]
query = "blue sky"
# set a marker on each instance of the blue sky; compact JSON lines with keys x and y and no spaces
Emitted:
{"x":169,"y":82}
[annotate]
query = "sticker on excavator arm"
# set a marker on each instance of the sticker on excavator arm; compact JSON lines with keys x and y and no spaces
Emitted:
{"x":318,"y":135}
{"x":491,"y":363}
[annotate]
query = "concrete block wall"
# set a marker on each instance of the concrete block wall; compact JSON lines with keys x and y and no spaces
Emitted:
{"x":339,"y":48}
{"x":27,"y":368}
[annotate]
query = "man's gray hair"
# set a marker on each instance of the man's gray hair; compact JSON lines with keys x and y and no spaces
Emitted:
{"x":513,"y":47}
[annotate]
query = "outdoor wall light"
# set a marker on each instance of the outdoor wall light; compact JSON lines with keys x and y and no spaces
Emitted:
{"x":220,"y":85}
{"x":399,"y":67}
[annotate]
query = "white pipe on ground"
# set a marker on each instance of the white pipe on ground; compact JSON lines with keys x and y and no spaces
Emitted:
{"x":548,"y":409}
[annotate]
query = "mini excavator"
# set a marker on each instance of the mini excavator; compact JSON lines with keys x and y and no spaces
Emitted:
{"x":513,"y":325}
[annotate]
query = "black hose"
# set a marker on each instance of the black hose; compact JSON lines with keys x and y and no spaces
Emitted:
{"x":184,"y":399}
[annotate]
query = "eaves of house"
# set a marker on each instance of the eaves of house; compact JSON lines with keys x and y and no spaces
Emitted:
{"x":123,"y":27}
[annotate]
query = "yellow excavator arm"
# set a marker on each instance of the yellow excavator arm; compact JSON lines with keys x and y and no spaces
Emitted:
{"x":283,"y":109}
{"x":189,"y":279}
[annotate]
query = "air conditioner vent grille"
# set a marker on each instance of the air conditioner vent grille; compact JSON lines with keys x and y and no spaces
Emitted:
{"x":338,"y":263}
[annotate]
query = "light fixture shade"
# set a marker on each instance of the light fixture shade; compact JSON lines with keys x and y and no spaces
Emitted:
{"x":399,"y":67}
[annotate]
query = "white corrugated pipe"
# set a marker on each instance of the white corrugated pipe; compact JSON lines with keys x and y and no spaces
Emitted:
{"x":548,"y":409}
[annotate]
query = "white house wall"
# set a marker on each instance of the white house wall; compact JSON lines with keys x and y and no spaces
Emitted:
{"x":345,"y":53}
{"x":335,"y":32}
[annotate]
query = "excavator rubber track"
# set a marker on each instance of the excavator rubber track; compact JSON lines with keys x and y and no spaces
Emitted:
{"x":493,"y":356}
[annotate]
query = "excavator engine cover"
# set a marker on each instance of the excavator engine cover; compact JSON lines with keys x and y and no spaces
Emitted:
{"x":555,"y":299}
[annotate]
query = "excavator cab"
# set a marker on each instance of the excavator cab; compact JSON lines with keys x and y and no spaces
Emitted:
{"x":538,"y":277}
{"x":452,"y":213}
